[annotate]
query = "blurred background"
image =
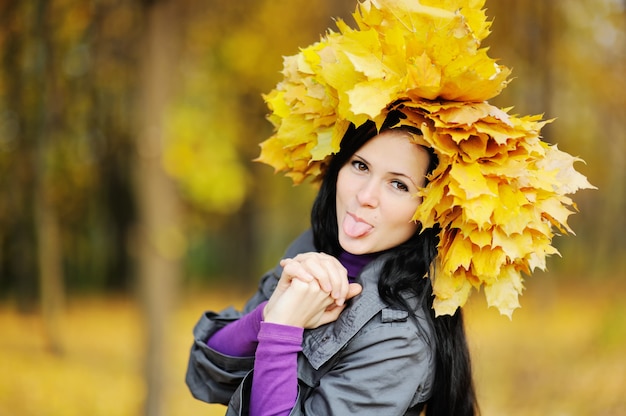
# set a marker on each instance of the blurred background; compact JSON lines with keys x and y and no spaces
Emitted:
{"x":130,"y":201}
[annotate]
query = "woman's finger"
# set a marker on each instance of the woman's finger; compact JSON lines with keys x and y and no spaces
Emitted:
{"x":328,"y":271}
{"x":292,"y":268}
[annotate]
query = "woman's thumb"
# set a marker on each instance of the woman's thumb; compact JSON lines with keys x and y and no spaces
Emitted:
{"x":353,"y":290}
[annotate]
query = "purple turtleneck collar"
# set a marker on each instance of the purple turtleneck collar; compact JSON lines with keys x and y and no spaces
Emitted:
{"x":355,"y":263}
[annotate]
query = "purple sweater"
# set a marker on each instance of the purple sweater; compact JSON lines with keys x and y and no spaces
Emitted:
{"x":275,"y":348}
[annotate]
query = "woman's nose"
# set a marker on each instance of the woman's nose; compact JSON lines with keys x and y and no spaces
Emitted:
{"x":368,"y":194}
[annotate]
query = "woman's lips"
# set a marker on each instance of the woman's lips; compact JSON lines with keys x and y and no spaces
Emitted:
{"x":354,"y":227}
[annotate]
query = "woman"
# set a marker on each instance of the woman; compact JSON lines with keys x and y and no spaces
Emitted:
{"x":356,"y":283}
{"x":362,"y":316}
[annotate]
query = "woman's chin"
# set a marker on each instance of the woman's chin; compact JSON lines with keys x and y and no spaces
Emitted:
{"x":356,"y":246}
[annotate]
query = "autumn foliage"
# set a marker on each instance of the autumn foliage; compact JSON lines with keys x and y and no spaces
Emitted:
{"x":498,"y":190}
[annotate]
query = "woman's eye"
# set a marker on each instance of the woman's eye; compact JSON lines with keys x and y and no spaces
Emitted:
{"x":360,"y":166}
{"x":400,"y":186}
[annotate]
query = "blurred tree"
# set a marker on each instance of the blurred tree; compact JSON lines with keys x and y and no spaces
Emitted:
{"x":591,"y":96}
{"x":65,"y":90}
{"x":48,"y":247}
{"x":522,"y":38}
{"x":18,"y":159}
{"x":30,"y":222}
{"x":160,"y":238}
{"x":107,"y":53}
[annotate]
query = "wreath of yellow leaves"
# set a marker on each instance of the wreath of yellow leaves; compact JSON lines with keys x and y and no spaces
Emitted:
{"x":498,"y":190}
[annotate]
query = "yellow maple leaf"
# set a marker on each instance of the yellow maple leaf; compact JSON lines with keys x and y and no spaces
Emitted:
{"x":503,"y":294}
{"x":481,"y":237}
{"x":556,"y":212}
{"x":515,"y":246}
{"x":479,"y":210}
{"x":370,"y":97}
{"x":471,"y":180}
{"x":450,"y":291}
{"x":425,"y":76}
{"x":474,"y":148}
{"x":272,"y":153}
{"x":324,"y":145}
{"x":460,"y":251}
{"x":567,"y":179}
{"x":487,"y":263}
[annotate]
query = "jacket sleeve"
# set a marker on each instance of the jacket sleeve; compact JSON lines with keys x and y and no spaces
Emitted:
{"x":212,"y":376}
{"x":387,"y":369}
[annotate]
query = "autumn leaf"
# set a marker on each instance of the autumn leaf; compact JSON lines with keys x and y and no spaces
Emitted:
{"x":470,"y":179}
{"x":503,"y":294}
{"x":450,"y":291}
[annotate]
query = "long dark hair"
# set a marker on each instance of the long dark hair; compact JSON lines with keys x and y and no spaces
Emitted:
{"x":403,"y":271}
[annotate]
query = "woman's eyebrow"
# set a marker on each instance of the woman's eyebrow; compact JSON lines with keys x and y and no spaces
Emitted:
{"x":405,"y":176}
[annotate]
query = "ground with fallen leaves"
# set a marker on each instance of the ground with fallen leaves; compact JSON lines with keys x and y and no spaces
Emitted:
{"x":562,"y":354}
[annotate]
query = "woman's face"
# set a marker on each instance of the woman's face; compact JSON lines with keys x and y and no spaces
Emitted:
{"x":376,"y":193}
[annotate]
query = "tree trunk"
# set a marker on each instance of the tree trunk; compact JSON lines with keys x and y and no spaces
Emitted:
{"x":19,"y":259}
{"x":159,"y":233}
{"x":48,"y":247}
{"x":51,"y":282}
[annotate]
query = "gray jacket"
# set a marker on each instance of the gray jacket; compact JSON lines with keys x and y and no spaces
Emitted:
{"x":373,"y":360}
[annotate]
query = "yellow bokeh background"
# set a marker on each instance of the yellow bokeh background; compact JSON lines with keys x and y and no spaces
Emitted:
{"x":74,"y":197}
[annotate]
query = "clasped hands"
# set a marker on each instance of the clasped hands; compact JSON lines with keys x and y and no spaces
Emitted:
{"x":312,"y":291}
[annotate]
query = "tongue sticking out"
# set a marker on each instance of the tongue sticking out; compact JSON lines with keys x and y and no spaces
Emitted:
{"x":354,"y":228}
